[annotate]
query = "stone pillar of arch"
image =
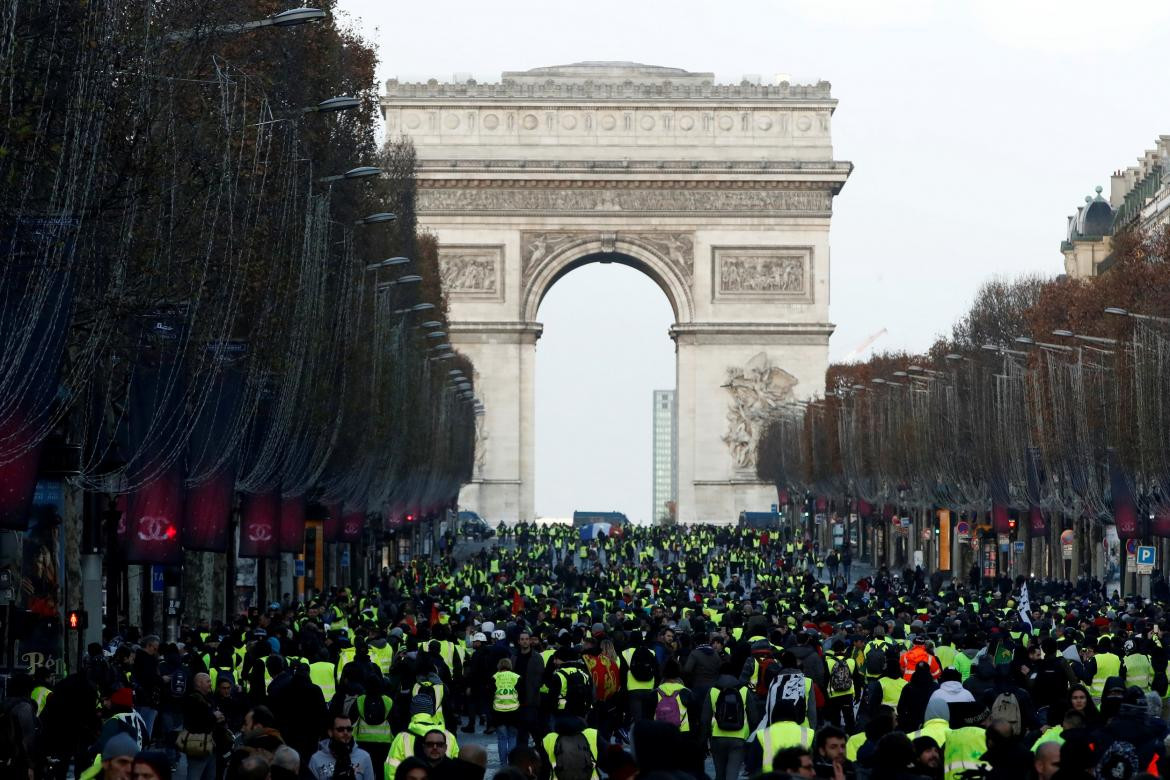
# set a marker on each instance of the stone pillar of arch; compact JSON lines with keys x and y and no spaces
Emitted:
{"x":721,"y":194}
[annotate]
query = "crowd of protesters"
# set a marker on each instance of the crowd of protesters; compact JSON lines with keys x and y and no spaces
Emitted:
{"x":672,"y":652}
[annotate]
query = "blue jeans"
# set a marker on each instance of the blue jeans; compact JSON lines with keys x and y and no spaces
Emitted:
{"x":505,"y":742}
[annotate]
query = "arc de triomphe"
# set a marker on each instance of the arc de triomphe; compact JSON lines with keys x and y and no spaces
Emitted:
{"x":722,"y":194}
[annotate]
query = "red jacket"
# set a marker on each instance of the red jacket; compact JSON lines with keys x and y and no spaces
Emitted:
{"x":916,"y":655}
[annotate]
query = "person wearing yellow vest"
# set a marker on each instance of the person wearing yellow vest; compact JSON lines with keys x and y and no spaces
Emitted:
{"x":892,"y":688}
{"x":571,"y":690}
{"x":321,"y":673}
{"x":782,"y":703}
{"x":372,"y":728}
{"x":571,"y":750}
{"x":839,"y":686}
{"x":1101,"y":664}
{"x":382,"y":654}
{"x":673,"y":698}
{"x":424,"y":738}
{"x":967,"y":739}
{"x":726,"y":715}
{"x":344,"y":657}
{"x":770,"y":740}
{"x":429,"y":685}
{"x":640,"y":665}
{"x":505,"y":708}
{"x":1139,"y":670}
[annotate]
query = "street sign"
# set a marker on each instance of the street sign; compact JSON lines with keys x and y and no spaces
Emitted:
{"x":156,"y":579}
{"x":1066,"y":544}
{"x":299,"y":567}
{"x":1146,"y":558}
{"x":345,"y":557}
{"x":962,"y":530}
{"x":775,"y":508}
{"x":1019,"y":547}
{"x":1131,"y":546}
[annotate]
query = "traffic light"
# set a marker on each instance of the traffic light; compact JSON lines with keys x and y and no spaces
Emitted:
{"x":77,"y":620}
{"x":410,"y":518}
{"x":1012,"y":523}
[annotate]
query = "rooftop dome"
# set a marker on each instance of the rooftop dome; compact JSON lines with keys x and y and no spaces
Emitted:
{"x":1096,"y":217}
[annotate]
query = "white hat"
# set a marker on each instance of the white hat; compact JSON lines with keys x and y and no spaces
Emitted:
{"x":480,"y":637}
{"x":498,"y":633}
{"x":488,"y":626}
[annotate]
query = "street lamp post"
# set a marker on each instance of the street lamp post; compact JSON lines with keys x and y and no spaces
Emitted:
{"x":361,"y":172}
{"x":339,"y":103}
{"x":290,"y":18}
{"x":1120,"y":312}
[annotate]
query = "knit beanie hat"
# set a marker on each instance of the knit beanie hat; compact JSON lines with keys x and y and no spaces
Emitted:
{"x":119,"y":746}
{"x":123,"y":697}
{"x":422,"y":705}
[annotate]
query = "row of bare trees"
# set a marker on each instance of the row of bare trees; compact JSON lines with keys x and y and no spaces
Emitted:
{"x":195,"y":277}
{"x":1040,"y":401}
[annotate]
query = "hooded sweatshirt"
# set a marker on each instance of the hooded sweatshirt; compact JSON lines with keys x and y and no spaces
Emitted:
{"x":939,"y":705}
{"x":322,"y":763}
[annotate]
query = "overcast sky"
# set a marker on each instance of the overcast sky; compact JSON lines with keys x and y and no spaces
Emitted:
{"x":975,"y":128}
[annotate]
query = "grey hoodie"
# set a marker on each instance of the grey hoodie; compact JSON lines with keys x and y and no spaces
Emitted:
{"x":322,"y":763}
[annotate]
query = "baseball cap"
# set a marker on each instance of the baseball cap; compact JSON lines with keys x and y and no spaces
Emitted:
{"x":479,"y":637}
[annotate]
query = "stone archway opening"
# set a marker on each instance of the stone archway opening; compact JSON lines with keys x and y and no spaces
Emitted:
{"x":603,"y":352}
{"x":611,"y":258}
{"x":721,"y":193}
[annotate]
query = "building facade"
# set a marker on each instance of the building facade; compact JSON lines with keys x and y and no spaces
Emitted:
{"x":721,"y":193}
{"x":665,"y":459}
{"x":1139,"y":199}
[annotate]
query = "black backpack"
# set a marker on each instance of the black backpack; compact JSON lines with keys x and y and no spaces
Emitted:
{"x":573,"y":757}
{"x":373,"y":710}
{"x":643,"y":665}
{"x":729,"y":714}
{"x":578,"y":691}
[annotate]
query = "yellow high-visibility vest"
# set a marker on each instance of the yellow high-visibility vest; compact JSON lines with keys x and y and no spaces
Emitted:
{"x":779,"y":736}
{"x":550,"y":749}
{"x":321,"y":674}
{"x":506,"y":698}
{"x":964,"y":750}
